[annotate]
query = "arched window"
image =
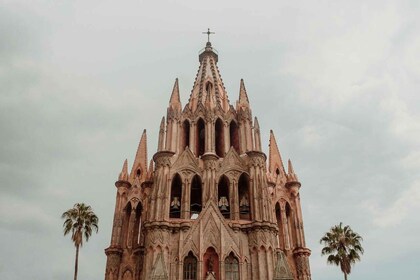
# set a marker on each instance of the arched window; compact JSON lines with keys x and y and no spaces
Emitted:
{"x":280,"y":226}
{"x":201,"y":137}
{"x":223,"y":196}
{"x":176,"y":199}
{"x":196,"y":203}
{"x":185,"y":134}
{"x":231,"y":267}
{"x":219,"y":138}
{"x":234,"y":135}
{"x":126,"y":221}
{"x":190,"y":267}
{"x":289,"y":220}
{"x":244,"y":197}
{"x":137,"y":226}
{"x":209,"y":88}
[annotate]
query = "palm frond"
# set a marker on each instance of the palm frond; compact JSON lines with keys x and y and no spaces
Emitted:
{"x":80,"y":220}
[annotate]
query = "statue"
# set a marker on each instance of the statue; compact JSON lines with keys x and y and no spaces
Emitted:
{"x":175,"y":204}
{"x":210,"y":264}
{"x":244,"y":203}
{"x":223,"y":203}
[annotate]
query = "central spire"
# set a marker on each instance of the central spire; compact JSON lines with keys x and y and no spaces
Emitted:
{"x":208,"y":88}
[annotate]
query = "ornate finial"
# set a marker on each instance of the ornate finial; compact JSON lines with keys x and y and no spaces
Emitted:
{"x":208,"y":34}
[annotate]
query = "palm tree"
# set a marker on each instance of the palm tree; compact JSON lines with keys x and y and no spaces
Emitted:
{"x":79,"y":220}
{"x":343,"y":247}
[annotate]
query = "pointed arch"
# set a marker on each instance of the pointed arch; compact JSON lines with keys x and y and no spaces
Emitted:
{"x":244,"y":197}
{"x":290,"y":223}
{"x":280,"y":226}
{"x":196,"y":195}
{"x":128,"y":275}
{"x":138,"y":172}
{"x":201,"y":137}
{"x":223,"y":196}
{"x":211,"y":263}
{"x":176,"y":197}
{"x":234,"y":135}
{"x":231,"y":267}
{"x":185,"y":134}
{"x":219,"y":135}
{"x":208,"y":87}
{"x":125,"y":224}
{"x":190,"y":267}
{"x":137,"y":236}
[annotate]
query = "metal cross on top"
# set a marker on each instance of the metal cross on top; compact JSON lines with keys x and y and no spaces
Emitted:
{"x":208,"y":34}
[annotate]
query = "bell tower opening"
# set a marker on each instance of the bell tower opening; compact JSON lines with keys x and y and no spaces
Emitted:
{"x":201,"y":137}
{"x":244,"y":198}
{"x":185,"y":134}
{"x":223,"y":196}
{"x":176,"y":192}
{"x":220,"y":138}
{"x":234,"y":135}
{"x":280,"y":226}
{"x":196,"y":200}
{"x":126,"y":220}
{"x":137,"y":226}
{"x":290,"y":228}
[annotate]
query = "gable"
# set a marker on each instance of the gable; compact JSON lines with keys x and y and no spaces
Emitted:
{"x":209,"y":230}
{"x":159,"y":269}
{"x":282,"y":269}
{"x":232,"y":161}
{"x":186,"y":160}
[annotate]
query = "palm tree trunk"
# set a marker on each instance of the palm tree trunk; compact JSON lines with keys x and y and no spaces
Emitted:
{"x":345,"y":276}
{"x":76,"y":262}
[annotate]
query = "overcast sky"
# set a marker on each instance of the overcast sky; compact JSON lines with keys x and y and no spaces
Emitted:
{"x":337,"y":81}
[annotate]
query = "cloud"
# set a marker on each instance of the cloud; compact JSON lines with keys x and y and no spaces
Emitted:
{"x":399,"y":211}
{"x":337,"y":82}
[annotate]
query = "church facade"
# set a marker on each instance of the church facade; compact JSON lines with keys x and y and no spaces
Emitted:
{"x":209,"y":204}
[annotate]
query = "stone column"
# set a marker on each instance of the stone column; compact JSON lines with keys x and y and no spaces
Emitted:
{"x":117,"y":224}
{"x":175,"y":136}
{"x":193,"y":132}
{"x":169,"y":125}
{"x":300,"y":228}
{"x":184,"y":199}
{"x":209,"y":188}
{"x":301,"y":256}
{"x":131,"y":227}
{"x":249,"y":146}
{"x":160,"y":187}
{"x":226,"y":134}
{"x":285,"y":226}
{"x":113,"y":262}
{"x":235,"y":200}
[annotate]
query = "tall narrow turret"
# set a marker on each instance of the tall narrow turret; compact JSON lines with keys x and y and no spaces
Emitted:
{"x":275,"y":162}
{"x":139,"y":169}
{"x":208,"y":82}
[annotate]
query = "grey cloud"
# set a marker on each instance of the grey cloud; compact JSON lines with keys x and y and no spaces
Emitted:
{"x":337,"y":82}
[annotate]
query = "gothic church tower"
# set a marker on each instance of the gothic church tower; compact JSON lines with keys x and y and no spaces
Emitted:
{"x":207,"y":206}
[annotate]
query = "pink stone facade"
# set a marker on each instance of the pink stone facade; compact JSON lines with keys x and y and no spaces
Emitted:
{"x":209,"y":205}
